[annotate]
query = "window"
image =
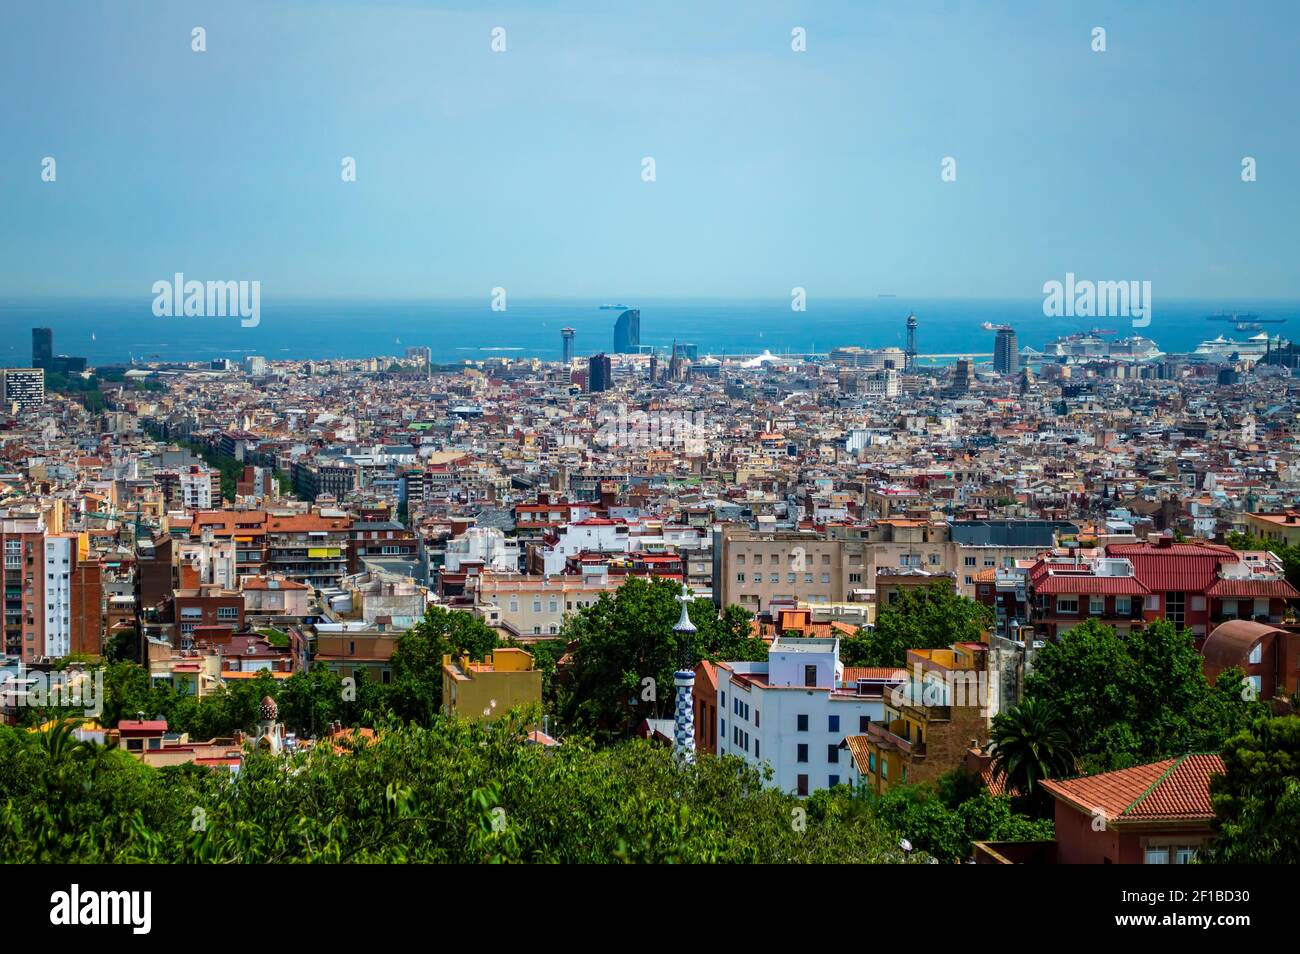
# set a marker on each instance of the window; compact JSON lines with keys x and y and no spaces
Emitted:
{"x":807,"y":577}
{"x":802,"y":755}
{"x":801,"y":784}
{"x":969,"y":561}
{"x":832,"y":754}
{"x":1175,"y":603}
{"x":758,"y":559}
{"x":757,"y":722}
{"x":834,"y":780}
{"x":853,"y":578}
{"x":871,"y":762}
{"x":1067,"y":604}
{"x":801,"y":722}
{"x":756,"y":754}
{"x":826,"y":577}
{"x":740,"y":578}
{"x":1184,"y":854}
{"x":934,"y":559}
{"x":1123,"y":606}
{"x":1256,"y":653}
{"x":863,"y":722}
{"x":1097,"y":605}
{"x":1157,"y":856}
{"x":884,"y":769}
{"x":790,"y":578}
{"x":810,"y":675}
{"x":833,"y":723}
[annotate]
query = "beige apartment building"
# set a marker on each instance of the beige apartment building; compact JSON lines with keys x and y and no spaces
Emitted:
{"x":534,"y":605}
{"x":757,"y":567}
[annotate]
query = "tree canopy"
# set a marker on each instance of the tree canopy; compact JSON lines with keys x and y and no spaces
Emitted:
{"x":1139,"y":698}
{"x":929,"y":617}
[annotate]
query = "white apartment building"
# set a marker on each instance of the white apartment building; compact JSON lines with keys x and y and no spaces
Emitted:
{"x":486,"y":545}
{"x":58,"y":560}
{"x":792,"y":712}
{"x":196,"y":489}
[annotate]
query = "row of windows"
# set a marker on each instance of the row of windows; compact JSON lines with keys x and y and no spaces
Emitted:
{"x":777,"y":559}
{"x":832,"y":753}
{"x":793,"y":578}
{"x":801,"y":783}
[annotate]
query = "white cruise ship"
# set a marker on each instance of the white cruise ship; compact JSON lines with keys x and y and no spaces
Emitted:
{"x":1222,"y":349}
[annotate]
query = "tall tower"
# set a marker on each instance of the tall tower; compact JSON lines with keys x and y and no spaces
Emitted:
{"x":909,"y":356}
{"x":43,"y":348}
{"x":627,"y":332}
{"x":566,"y":340}
{"x":684,"y":680}
{"x":1006,"y":355}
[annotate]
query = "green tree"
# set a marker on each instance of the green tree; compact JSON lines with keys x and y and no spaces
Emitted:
{"x":625,"y":653}
{"x":1257,"y":799}
{"x":930,"y":617}
{"x":415,"y":693}
{"x":1136,"y":699}
{"x":1030,"y":743}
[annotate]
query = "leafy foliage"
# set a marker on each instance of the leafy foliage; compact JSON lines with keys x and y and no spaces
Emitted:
{"x":627,"y":637}
{"x":1031,"y":743}
{"x":1257,"y":800}
{"x":930,"y":617}
{"x":1137,"y":699}
{"x":452,"y":792}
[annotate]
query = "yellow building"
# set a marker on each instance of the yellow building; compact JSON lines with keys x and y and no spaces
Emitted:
{"x":488,"y":689}
{"x":1275,"y":527}
{"x":929,"y":723}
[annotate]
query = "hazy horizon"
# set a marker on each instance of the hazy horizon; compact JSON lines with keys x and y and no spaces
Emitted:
{"x":523,"y":169}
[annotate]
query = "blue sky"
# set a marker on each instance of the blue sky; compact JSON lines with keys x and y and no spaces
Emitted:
{"x":523,"y":169}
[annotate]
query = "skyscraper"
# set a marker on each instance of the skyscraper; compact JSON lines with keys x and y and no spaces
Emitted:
{"x":627,"y":332}
{"x":963,"y":376}
{"x":566,"y":339}
{"x":600,"y":373}
{"x":1006,"y":356}
{"x":43,"y":348}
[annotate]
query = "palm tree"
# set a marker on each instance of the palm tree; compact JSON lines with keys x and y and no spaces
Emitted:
{"x":1030,"y":743}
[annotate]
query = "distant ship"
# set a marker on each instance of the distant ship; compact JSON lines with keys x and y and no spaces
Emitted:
{"x":613,"y":307}
{"x":1252,"y":349}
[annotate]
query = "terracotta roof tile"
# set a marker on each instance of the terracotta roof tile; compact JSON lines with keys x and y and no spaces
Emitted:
{"x":1172,"y":789}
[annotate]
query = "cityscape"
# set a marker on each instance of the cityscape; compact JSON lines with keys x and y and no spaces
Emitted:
{"x":495,"y":569}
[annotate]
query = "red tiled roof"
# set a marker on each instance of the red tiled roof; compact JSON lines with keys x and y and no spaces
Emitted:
{"x":1178,"y":567}
{"x":886,"y":673}
{"x":1052,"y":584}
{"x":1169,"y":790}
{"x":1230,"y":588}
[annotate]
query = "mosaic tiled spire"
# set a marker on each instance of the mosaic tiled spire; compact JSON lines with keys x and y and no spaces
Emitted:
{"x":684,"y":680}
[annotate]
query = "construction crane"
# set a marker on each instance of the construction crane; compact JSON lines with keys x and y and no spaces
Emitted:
{"x":1246,"y":322}
{"x":140,"y":525}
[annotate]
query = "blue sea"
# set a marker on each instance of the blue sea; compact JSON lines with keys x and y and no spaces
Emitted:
{"x":115,"y":330}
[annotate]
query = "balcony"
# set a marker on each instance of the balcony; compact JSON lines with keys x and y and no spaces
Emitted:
{"x":881,"y":734}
